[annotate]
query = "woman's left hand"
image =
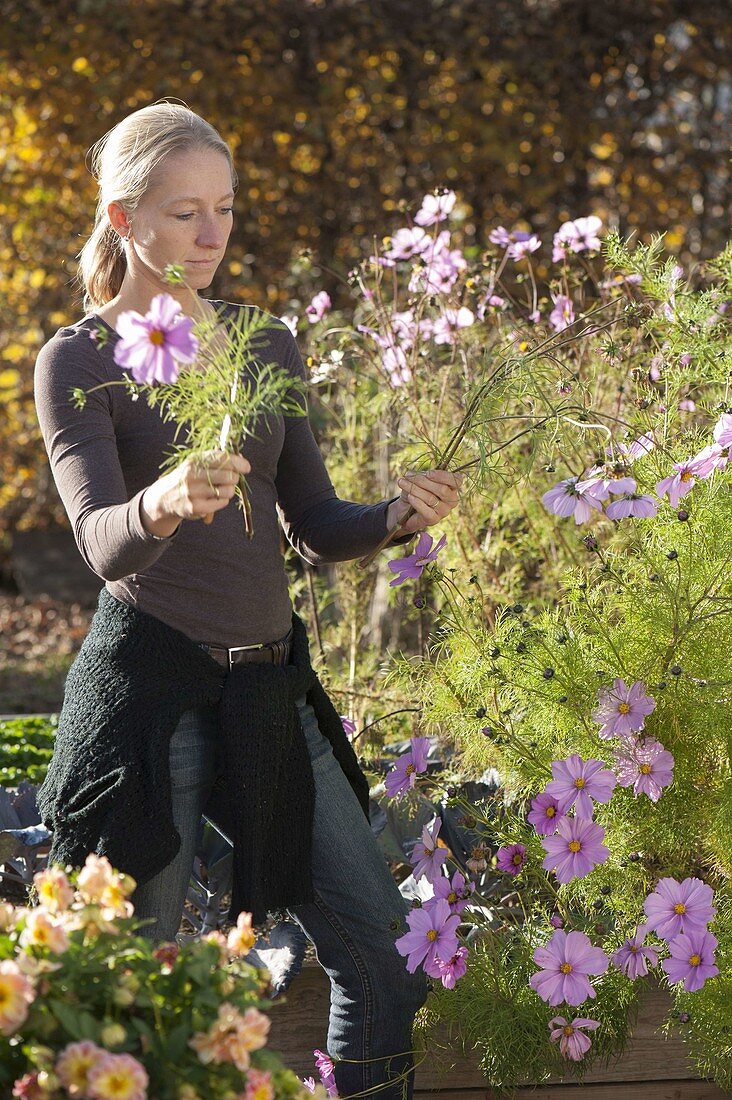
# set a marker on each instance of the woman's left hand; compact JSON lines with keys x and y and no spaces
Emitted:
{"x":433,"y":494}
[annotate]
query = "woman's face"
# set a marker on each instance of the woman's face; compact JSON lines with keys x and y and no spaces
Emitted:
{"x":185,"y":217}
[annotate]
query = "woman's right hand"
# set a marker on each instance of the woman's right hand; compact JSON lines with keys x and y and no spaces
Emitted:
{"x":194,"y":490}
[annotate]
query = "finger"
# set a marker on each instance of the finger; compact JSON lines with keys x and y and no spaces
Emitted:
{"x":445,"y":477}
{"x":433,"y":490}
{"x":426,"y":504}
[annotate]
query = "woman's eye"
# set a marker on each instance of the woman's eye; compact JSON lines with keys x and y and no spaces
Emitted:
{"x":185,"y":217}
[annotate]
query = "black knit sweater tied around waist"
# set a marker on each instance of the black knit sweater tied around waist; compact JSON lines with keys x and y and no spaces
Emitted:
{"x":108,"y":787}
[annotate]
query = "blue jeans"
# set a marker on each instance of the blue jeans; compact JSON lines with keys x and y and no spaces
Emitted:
{"x":352,"y":922}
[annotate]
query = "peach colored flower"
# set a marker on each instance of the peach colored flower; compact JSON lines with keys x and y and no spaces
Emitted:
{"x":74,"y":1063}
{"x":41,"y":930}
{"x":34,"y":967}
{"x":8,"y":916}
{"x":93,"y":878}
{"x":241,"y":939}
{"x":117,"y":1077}
{"x":259,"y":1086}
{"x":220,"y":940}
{"x":256,"y":1028}
{"x":16,"y":993}
{"x":55,"y":892}
{"x":232,"y":1036}
{"x":92,"y":920}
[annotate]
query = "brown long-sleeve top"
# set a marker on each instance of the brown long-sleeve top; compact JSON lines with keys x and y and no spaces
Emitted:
{"x":208,"y":581}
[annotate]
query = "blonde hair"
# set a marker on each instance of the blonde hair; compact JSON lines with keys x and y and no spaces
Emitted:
{"x":122,"y":162}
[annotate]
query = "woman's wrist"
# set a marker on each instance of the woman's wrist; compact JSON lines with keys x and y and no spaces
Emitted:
{"x":154,"y":519}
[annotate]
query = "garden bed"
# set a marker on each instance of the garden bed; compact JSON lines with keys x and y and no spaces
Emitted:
{"x":651,"y":1068}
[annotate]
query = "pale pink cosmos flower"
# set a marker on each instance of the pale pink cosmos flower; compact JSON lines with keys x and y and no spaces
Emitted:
{"x":151,"y":346}
{"x":566,"y":962}
{"x":445,"y":327}
{"x":675,"y":907}
{"x":517,"y":243}
{"x":406,"y":243}
{"x":637,"y":505}
{"x":442,"y":265}
{"x":575,"y":236}
{"x":579,"y":782}
{"x":573,"y":1045}
{"x":633,"y":957}
{"x":434,"y":208}
{"x":722,"y":430}
{"x":452,"y":969}
{"x":567,"y":499}
{"x":562,"y":315}
{"x":638,"y":448}
{"x":678,"y":484}
{"x":575,"y":849}
{"x":319,"y":306}
{"x":403,"y":775}
{"x":644,"y":765}
{"x":692,"y":959}
{"x":427,"y":856}
{"x":290,"y":319}
{"x":710,"y":458}
{"x":622,"y":710}
{"x":395,"y":363}
{"x":545,"y":814}
{"x":432,"y":936}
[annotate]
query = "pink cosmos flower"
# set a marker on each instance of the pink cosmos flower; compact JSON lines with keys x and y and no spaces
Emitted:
{"x":432,"y":936}
{"x":692,"y":959}
{"x":545,"y":813}
{"x":434,"y":208}
{"x":679,"y":907}
{"x":411,"y":566}
{"x":455,"y":891}
{"x":572,"y":1043}
{"x":319,"y":306}
{"x":427,"y":856}
{"x":403,"y":775}
{"x":511,"y":858}
{"x":405,"y":244}
{"x":349,"y":726}
{"x":326,"y":1070}
{"x":452,"y":969}
{"x":603,"y":484}
{"x":638,"y":505}
{"x":309,"y":1083}
{"x":633,"y":958}
{"x":441,"y":267}
{"x":565,"y":963}
{"x":28,"y":1088}
{"x":579,"y":235}
{"x":395,"y":363}
{"x":517,"y":244}
{"x":290,"y":319}
{"x":577,"y":782}
{"x":646,"y":766}
{"x":710,"y":458}
{"x":152,"y":345}
{"x":722,"y":431}
{"x":567,"y":499}
{"x":637,"y":449}
{"x":562,"y":315}
{"x":677,"y":485}
{"x":575,"y":849}
{"x":445,"y":327}
{"x":622,"y":710}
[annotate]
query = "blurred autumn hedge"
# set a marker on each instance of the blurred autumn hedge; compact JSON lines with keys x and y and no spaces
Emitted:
{"x":338,"y":111}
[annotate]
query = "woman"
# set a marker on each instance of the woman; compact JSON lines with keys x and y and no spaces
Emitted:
{"x":166,"y":185}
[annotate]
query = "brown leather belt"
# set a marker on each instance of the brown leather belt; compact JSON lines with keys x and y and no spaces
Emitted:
{"x":277,"y":653}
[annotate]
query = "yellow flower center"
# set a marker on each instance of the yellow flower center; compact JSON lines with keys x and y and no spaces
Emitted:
{"x":574,"y":846}
{"x":644,"y":769}
{"x":679,"y":908}
{"x":579,"y":782}
{"x":410,"y":769}
{"x":568,"y":1029}
{"x":566,"y":968}
{"x":452,"y":897}
{"x":550,"y":811}
{"x":157,"y":337}
{"x":686,"y":476}
{"x":517,"y":858}
{"x":623,"y":708}
{"x":633,"y":949}
{"x":432,"y":934}
{"x":694,"y":960}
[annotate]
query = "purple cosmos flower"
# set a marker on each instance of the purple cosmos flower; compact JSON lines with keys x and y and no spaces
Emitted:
{"x":632,"y":957}
{"x":572,"y":1043}
{"x":410,"y":567}
{"x":602,"y":484}
{"x":579,"y":235}
{"x":445,"y":327}
{"x":556,"y":920}
{"x":434,"y":208}
{"x":562,"y":315}
{"x":622,"y":710}
{"x":723,"y":430}
{"x":452,"y":969}
{"x":710,"y":458}
{"x":349,"y":726}
{"x":326,"y":1069}
{"x":567,"y":499}
{"x":638,"y":505}
{"x":319,"y":306}
{"x":577,"y":782}
{"x":679,"y":907}
{"x":517,"y":244}
{"x":432,"y":935}
{"x":152,"y":346}
{"x":403,"y":775}
{"x":456,"y":891}
{"x":427,"y":856}
{"x":406,"y":243}
{"x":646,"y":766}
{"x":545,"y":814}
{"x":638,"y":448}
{"x":677,"y":485}
{"x":511,"y":858}
{"x":565,"y":963}
{"x":309,"y":1083}
{"x":576,"y":848}
{"x":692,"y":959}
{"x":441,"y":266}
